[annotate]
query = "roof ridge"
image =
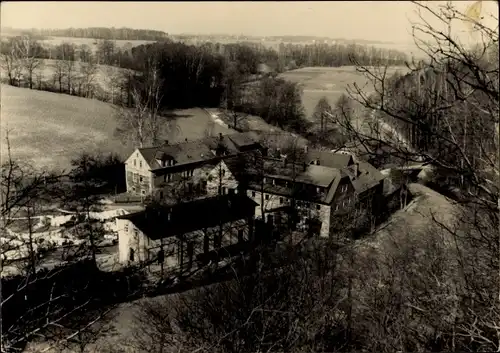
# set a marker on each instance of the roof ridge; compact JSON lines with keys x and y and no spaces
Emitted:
{"x":195,"y":140}
{"x":178,"y":143}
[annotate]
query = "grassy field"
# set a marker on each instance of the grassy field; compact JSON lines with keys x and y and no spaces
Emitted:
{"x":49,"y":129}
{"x":330,"y":82}
{"x":91,"y":42}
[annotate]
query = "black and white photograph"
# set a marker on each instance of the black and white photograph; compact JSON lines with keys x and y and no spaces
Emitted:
{"x":249,"y":176}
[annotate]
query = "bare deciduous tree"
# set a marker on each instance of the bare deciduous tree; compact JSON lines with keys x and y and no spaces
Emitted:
{"x":30,"y":51}
{"x":11,"y":61}
{"x":88,"y":71}
{"x":59,"y":74}
{"x":144,"y":120}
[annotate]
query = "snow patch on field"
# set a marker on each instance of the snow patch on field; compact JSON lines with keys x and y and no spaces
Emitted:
{"x":16,"y":245}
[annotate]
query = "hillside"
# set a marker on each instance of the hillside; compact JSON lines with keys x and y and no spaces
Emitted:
{"x":330,"y":82}
{"x":49,"y":129}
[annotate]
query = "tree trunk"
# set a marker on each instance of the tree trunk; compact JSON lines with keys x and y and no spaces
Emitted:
{"x":32,"y":255}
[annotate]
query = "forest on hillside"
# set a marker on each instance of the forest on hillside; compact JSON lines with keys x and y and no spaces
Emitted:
{"x":112,"y":33}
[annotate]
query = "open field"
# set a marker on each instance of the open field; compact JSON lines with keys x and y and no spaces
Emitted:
{"x":330,"y":82}
{"x":91,"y":42}
{"x":49,"y":129}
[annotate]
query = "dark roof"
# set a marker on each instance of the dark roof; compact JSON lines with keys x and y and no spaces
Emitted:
{"x":313,"y":174}
{"x":199,"y":150}
{"x":367,"y":176}
{"x":191,"y":216}
{"x":329,"y":159}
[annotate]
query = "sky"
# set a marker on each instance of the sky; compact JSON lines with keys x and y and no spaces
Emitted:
{"x":369,"y":20}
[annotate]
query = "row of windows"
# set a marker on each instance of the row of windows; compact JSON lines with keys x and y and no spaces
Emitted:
{"x":169,"y":177}
{"x":137,"y":177}
{"x":285,"y":183}
{"x":282,"y":200}
{"x":345,"y":203}
{"x":143,"y":192}
{"x":135,"y":163}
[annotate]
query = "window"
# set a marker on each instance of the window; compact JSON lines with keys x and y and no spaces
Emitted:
{"x":223,"y":172}
{"x":131,"y":254}
{"x":134,"y":177}
{"x":126,"y":227}
{"x":318,"y":190}
{"x":224,"y":191}
{"x":140,"y":179}
{"x":161,"y":195}
{"x":343,"y":204}
{"x":135,"y":162}
{"x":140,"y":164}
{"x":318,"y":207}
{"x":169,"y":216}
{"x":281,"y":200}
{"x":143,"y":192}
{"x":336,"y":207}
{"x":253,"y":193}
{"x":274,"y":182}
{"x":267,"y":197}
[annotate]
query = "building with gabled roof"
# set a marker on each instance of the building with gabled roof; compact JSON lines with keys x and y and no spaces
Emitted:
{"x":323,"y":186}
{"x":153,"y":171}
{"x":187,"y":233}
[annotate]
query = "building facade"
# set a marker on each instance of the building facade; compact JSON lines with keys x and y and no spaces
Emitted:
{"x":317,"y":192}
{"x":186,"y":235}
{"x":180,"y":170}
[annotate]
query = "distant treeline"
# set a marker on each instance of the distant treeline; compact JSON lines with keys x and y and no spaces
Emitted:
{"x":101,"y":33}
{"x":188,"y":75}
